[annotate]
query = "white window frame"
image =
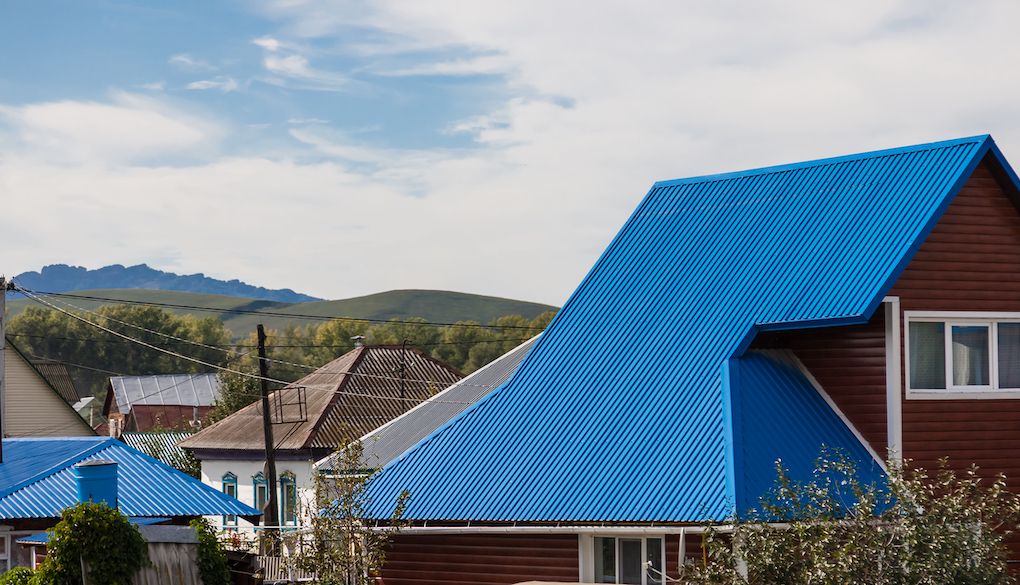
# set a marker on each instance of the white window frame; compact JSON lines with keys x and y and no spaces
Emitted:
{"x":960,"y":318}
{"x":588,"y":554}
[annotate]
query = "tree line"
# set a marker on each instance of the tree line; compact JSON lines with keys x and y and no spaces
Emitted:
{"x":94,"y":355}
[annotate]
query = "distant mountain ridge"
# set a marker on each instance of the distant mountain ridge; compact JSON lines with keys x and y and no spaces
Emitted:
{"x":64,"y":278}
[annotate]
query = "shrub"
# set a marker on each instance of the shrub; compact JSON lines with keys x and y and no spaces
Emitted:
{"x":102,"y":538}
{"x":212,"y":560}
{"x":17,"y":576}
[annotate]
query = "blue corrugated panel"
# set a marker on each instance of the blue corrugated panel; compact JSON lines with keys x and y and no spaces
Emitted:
{"x":36,"y":481}
{"x":622,"y":411}
{"x":763,"y":385}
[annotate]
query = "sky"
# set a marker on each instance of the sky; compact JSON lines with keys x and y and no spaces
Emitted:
{"x":344,"y":147}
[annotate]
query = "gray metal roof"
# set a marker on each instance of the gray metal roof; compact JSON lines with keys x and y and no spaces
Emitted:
{"x":162,"y":390}
{"x":390,"y":440}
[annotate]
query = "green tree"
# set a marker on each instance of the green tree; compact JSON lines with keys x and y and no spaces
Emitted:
{"x":333,"y":339}
{"x":212,"y":558}
{"x":46,"y":333}
{"x":416,"y":331}
{"x":343,"y":547}
{"x":97,"y":537}
{"x":919,"y":529}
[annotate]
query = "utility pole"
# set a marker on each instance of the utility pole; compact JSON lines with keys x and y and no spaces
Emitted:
{"x":3,"y":351}
{"x":269,"y":545}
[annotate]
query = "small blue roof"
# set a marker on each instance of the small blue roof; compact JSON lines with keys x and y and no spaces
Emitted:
{"x":36,"y":481}
{"x":675,"y":421}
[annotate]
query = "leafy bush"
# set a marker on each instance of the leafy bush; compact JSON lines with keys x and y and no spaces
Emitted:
{"x":17,"y":576}
{"x":950,"y":527}
{"x":110,"y":546}
{"x":212,"y":560}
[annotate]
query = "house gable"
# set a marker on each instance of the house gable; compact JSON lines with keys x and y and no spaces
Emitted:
{"x":33,"y":408}
{"x":970,"y":261}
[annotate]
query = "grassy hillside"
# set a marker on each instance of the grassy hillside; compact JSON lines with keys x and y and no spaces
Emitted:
{"x":438,"y":306}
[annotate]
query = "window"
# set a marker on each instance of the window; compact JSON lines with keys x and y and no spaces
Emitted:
{"x":230,"y":488}
{"x":258,"y":481}
{"x":636,"y":561}
{"x":288,"y":500}
{"x":974,"y":354}
{"x":5,"y":553}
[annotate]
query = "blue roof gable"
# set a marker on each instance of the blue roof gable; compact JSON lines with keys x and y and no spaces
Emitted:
{"x":36,"y":481}
{"x":595,"y":429}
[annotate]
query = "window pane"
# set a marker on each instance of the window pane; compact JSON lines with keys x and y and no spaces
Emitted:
{"x":1009,"y":355}
{"x":970,"y":355}
{"x":927,"y":355}
{"x":260,"y":496}
{"x":289,"y":496}
{"x":605,"y":560}
{"x":653,"y":550}
{"x":631,"y":561}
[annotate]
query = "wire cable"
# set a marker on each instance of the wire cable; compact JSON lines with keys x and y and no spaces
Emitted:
{"x":274,"y":313}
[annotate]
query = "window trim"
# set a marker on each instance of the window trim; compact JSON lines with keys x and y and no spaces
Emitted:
{"x":288,"y":478}
{"x":229,"y":478}
{"x":991,"y":391}
{"x":588,"y":553}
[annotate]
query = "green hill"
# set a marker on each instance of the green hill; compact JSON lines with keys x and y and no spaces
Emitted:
{"x":431,"y":305}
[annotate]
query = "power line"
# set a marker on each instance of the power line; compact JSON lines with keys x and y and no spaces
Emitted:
{"x":274,"y":313}
{"x":271,"y":345}
{"x":32,"y":296}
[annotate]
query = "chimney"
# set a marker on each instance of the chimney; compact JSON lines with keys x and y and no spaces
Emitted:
{"x":96,"y":481}
{"x":359,"y":340}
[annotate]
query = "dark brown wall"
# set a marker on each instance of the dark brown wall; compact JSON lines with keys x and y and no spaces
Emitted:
{"x":485,"y":559}
{"x":849,"y":363}
{"x":970,"y":262}
{"x":480,"y":559}
{"x":145,"y":418}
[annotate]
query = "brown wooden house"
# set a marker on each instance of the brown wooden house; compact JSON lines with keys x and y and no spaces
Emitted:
{"x":159,"y":402}
{"x":868,"y":302}
{"x":312,"y":417}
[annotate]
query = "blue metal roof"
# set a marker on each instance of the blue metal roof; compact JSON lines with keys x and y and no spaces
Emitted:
{"x":672,"y":422}
{"x":36,"y":481}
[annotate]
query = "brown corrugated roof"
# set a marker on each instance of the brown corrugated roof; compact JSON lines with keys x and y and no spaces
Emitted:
{"x":59,"y":378}
{"x":344,"y":399}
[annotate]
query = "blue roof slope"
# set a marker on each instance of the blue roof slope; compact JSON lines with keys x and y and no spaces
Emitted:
{"x":597,"y":426}
{"x":36,"y":481}
{"x":777,"y":414}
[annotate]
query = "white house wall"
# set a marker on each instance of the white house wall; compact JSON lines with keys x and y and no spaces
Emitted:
{"x":213,"y":471}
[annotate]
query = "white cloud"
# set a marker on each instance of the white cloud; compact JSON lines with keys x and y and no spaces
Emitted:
{"x":129,"y":128}
{"x":154,"y":86}
{"x":294,"y":70}
{"x":268,"y":43}
{"x":186,"y":62}
{"x":601,"y":100}
{"x":486,"y":65}
{"x":221,"y":83}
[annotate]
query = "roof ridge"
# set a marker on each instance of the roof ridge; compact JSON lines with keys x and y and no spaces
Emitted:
{"x":99,"y":445}
{"x":822,"y":161}
{"x":345,"y":376}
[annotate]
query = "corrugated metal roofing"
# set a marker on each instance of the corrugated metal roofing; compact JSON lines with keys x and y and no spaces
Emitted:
{"x":393,"y":438}
{"x":165,"y":389}
{"x":162,"y":445}
{"x":596,"y":426}
{"x":36,"y":481}
{"x":346,"y":398}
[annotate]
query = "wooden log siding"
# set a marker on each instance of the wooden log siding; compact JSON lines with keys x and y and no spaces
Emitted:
{"x":480,"y":559}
